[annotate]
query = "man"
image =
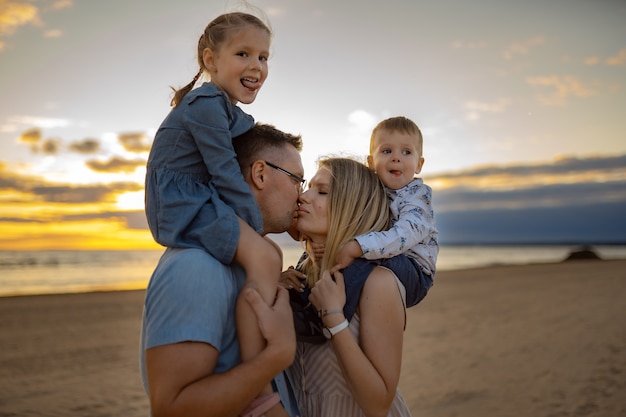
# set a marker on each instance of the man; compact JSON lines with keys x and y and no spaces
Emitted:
{"x":189,"y":349}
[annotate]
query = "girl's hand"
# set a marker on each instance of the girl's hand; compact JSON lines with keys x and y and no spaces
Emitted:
{"x":276,"y":324}
{"x":329,"y":295}
{"x":318,"y":250}
{"x":291,"y":278}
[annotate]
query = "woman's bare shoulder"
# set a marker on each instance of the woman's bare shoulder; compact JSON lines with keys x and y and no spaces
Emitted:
{"x":381,"y":280}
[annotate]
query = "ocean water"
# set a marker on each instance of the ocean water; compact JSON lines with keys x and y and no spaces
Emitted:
{"x":50,"y":272}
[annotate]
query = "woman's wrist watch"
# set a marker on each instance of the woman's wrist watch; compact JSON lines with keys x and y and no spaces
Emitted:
{"x":330,"y":332}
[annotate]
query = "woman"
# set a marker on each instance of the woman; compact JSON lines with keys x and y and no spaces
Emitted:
{"x":356,"y":371}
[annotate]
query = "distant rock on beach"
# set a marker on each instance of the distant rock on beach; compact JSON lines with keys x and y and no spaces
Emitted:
{"x":583,"y":253}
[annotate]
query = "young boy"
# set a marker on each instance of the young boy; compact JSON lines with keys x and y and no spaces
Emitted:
{"x":409,"y":248}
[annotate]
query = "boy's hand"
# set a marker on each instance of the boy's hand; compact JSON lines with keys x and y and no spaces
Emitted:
{"x":346,"y":255}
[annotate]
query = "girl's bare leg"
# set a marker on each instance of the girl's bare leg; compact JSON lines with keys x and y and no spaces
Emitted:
{"x":262,"y":261}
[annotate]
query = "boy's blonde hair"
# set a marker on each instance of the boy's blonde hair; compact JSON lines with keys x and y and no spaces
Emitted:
{"x":357,"y":204}
{"x":398,"y":124}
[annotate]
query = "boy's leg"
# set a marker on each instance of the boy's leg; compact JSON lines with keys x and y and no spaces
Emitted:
{"x":416,"y":282}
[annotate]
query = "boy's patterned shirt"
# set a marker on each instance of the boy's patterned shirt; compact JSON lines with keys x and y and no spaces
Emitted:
{"x":413,"y":231}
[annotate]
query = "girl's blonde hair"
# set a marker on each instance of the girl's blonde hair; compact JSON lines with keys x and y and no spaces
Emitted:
{"x":215,"y":34}
{"x":357,"y":204}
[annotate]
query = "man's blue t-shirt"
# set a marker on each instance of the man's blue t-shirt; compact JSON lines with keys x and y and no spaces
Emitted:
{"x":191,"y":297}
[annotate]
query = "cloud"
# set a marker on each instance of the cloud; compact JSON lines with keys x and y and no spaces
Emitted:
{"x":134,"y":219}
{"x":40,"y":122}
{"x":362,"y":121}
{"x":561,"y":165}
{"x":566,"y":201}
{"x":14,"y":14}
{"x":522,"y":47}
{"x":565,"y":182}
{"x":85,"y":146}
{"x":116,"y":164}
{"x":31,"y":136}
{"x":617,"y":60}
{"x":11,"y":181}
{"x":135,"y":142}
{"x":92,"y":193}
{"x":53,"y":33}
{"x":71,"y":194}
{"x":62,"y":4}
{"x":50,"y":146}
{"x":559,"y":89}
{"x":570,"y":199}
{"x":475,"y":109}
{"x":22,"y":220}
{"x":34,"y":139}
{"x":20,"y":188}
{"x":552,"y":195}
{"x":360,"y":125}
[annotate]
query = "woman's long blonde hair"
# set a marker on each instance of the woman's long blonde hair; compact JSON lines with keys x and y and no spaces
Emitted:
{"x":357,"y":204}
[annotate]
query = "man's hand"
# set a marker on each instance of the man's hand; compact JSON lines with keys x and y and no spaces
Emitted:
{"x":276,"y":325}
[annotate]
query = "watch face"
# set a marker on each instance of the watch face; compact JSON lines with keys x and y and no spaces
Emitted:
{"x":327,"y":334}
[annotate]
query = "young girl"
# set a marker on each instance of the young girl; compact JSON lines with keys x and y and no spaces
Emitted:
{"x":196,"y":196}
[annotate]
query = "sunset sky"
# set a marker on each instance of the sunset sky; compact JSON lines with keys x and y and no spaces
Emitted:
{"x":522,"y":105}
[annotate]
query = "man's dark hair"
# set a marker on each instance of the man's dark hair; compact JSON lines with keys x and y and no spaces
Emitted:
{"x":261,"y":140}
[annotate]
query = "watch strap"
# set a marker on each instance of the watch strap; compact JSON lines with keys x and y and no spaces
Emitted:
{"x":336,"y":329}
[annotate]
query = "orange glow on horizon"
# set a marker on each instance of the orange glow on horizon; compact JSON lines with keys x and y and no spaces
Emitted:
{"x":87,"y":235}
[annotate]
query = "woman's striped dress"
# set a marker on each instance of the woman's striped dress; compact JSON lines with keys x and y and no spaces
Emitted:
{"x":320,"y":386}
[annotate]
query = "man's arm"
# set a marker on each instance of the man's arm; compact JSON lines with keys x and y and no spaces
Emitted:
{"x":181,"y":376}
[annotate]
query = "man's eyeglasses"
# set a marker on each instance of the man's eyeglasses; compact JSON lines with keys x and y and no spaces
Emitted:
{"x":301,"y":181}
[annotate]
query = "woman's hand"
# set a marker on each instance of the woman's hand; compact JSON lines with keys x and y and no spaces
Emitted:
{"x":329,"y":295}
{"x":292,"y":278}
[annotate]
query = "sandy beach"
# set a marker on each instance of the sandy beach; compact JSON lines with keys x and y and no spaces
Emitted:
{"x":543,"y":340}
